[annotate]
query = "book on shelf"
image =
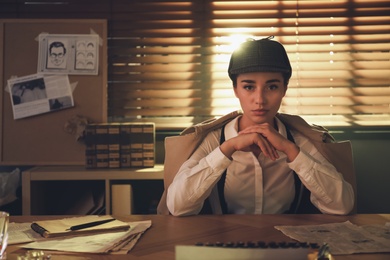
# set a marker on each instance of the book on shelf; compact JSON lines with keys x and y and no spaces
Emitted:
{"x":149,"y":144}
{"x":101,"y":132}
{"x":142,"y":144}
{"x":125,"y":145}
{"x":136,"y":145}
{"x":120,"y":145}
{"x":90,"y":146}
{"x":75,"y":226}
{"x":114,"y":145}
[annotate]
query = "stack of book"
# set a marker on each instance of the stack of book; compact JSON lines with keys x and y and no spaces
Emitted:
{"x":120,"y":145}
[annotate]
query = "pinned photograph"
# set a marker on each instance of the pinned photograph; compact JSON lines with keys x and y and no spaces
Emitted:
{"x":28,"y":91}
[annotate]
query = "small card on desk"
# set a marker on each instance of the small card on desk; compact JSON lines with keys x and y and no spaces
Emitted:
{"x":91,"y":224}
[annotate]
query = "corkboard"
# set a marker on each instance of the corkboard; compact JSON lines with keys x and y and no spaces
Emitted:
{"x":41,"y":139}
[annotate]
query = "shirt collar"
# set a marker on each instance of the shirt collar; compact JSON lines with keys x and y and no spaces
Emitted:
{"x":231,"y":129}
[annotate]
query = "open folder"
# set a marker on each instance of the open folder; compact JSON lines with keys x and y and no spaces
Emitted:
{"x":84,"y":225}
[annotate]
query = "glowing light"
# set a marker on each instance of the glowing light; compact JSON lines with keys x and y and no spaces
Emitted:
{"x":233,"y":41}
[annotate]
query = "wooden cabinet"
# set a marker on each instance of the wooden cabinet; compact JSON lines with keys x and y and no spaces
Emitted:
{"x":59,"y":190}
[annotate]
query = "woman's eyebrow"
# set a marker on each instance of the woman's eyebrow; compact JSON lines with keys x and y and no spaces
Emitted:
{"x":272,"y":81}
{"x":247,"y":81}
{"x":267,"y":82}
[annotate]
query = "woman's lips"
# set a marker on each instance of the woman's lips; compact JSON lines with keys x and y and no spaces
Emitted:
{"x":260,"y":112}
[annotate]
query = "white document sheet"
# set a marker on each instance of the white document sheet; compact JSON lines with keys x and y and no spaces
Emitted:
{"x":343,"y":238}
{"x":101,"y":243}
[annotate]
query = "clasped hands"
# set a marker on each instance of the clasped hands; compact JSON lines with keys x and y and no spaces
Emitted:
{"x":262,"y":138}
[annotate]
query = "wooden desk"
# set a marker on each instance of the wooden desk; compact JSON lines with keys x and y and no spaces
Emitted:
{"x":167,"y":231}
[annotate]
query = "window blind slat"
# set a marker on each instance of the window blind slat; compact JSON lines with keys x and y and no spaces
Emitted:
{"x":318,"y":102}
{"x":314,"y":62}
{"x":168,"y":59}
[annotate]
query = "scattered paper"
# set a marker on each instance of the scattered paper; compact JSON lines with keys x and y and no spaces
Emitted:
{"x":100,"y":243}
{"x":137,"y":231}
{"x":342,"y":238}
{"x":21,"y":233}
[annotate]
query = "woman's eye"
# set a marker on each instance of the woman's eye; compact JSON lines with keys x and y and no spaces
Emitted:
{"x":248,"y":87}
{"x":273,"y":87}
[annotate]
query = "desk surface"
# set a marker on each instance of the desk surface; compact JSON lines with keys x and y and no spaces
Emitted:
{"x":167,"y":231}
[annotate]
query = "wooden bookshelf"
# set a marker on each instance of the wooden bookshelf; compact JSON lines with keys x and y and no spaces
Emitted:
{"x":35,"y":179}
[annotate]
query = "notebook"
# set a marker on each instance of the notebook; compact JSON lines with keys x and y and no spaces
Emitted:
{"x":74,"y":226}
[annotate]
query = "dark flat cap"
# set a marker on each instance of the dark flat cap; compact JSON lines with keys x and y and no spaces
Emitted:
{"x":263,"y":55}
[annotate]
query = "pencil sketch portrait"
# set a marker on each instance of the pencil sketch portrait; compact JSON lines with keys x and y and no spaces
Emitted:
{"x":56,"y":57}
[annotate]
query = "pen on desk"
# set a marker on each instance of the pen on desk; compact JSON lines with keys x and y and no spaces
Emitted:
{"x":90,"y":224}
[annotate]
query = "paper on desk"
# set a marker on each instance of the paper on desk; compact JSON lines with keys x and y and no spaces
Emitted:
{"x":343,"y":238}
{"x":21,"y":233}
{"x":128,"y":244}
{"x":100,"y":243}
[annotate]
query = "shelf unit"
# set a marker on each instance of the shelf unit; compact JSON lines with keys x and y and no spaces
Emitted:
{"x":44,"y":175}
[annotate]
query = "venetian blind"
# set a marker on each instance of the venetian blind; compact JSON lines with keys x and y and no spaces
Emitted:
{"x":168,"y":59}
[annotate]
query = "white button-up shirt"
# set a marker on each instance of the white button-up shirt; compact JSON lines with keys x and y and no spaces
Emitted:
{"x":256,"y":185}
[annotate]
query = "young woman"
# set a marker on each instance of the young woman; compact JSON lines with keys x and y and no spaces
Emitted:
{"x":257,"y":156}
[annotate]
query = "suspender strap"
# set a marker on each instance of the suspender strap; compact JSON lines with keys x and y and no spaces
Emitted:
{"x":298,"y":184}
{"x":221,"y":182}
{"x":301,"y":203}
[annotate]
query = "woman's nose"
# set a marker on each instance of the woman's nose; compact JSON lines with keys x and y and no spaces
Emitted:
{"x":260,"y":98}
